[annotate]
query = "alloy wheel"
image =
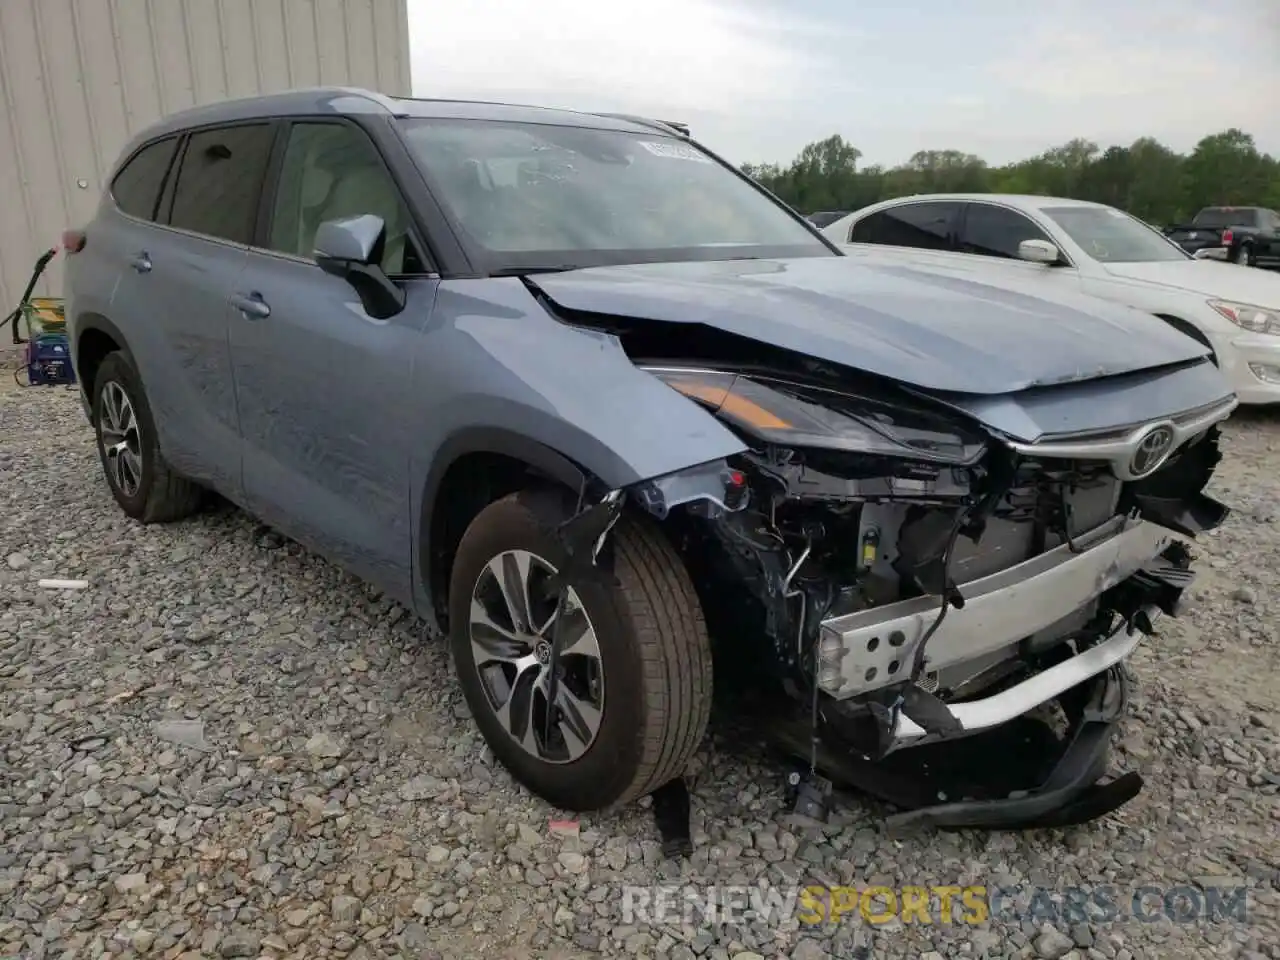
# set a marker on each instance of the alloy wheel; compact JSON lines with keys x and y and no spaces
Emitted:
{"x":121,"y":439}
{"x":512,"y":626}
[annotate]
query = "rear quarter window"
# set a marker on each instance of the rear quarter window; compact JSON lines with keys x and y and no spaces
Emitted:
{"x":136,"y":188}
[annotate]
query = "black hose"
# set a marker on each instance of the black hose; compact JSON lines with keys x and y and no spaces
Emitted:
{"x":948,"y":589}
{"x":26,"y":294}
{"x":13,"y":319}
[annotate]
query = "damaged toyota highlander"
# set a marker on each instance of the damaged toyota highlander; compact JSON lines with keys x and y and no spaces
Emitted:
{"x":613,"y":418}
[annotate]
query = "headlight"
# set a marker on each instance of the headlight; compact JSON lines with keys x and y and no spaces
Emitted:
{"x":1247,"y":317}
{"x":798,"y":415}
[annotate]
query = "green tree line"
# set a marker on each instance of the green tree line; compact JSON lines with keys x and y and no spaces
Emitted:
{"x":1145,"y":178}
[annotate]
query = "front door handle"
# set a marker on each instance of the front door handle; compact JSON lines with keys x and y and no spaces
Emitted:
{"x":251,"y":305}
{"x":141,"y":262}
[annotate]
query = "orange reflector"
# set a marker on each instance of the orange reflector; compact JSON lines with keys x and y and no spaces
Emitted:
{"x":743,"y":409}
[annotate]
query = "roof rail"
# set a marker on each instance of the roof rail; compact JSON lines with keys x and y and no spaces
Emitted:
{"x":667,"y":125}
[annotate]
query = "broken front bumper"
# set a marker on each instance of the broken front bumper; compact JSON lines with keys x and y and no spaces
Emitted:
{"x":872,"y":649}
{"x":1018,"y":776}
{"x":977,"y":715}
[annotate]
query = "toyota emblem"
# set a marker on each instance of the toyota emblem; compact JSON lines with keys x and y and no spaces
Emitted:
{"x":1153,"y":448}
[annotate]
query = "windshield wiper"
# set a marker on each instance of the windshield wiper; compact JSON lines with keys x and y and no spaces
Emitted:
{"x":525,"y":271}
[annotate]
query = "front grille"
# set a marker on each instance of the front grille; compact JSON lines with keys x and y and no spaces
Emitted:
{"x":1199,"y":418}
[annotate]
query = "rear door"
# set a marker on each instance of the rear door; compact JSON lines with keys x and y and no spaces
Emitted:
{"x":324,"y":389}
{"x":104,"y":270}
{"x":176,"y":291}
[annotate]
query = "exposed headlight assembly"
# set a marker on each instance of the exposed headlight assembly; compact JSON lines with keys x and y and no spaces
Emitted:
{"x":1248,"y":317}
{"x":800,"y":415}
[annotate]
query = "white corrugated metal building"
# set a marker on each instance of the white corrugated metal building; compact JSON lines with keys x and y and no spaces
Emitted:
{"x":78,"y":78}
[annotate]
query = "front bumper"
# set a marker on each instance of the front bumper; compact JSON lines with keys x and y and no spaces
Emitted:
{"x":1018,"y":776}
{"x":1068,"y":791}
{"x":999,"y":709}
{"x":1251,"y":363}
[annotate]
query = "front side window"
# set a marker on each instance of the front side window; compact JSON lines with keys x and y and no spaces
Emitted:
{"x":220,"y":180}
{"x":136,"y":188}
{"x":992,"y":231}
{"x":332,"y":171}
{"x":530,"y":195}
{"x":1112,"y":236}
{"x":925,"y":226}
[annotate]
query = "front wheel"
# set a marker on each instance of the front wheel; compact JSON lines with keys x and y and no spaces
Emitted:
{"x":633,"y":678}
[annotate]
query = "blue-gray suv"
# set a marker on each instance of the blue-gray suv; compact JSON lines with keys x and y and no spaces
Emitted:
{"x":611,"y":416}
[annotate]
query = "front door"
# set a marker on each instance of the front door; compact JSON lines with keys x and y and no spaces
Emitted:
{"x":323,"y":389}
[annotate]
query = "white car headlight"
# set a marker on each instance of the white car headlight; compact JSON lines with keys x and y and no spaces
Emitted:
{"x":1248,"y":317}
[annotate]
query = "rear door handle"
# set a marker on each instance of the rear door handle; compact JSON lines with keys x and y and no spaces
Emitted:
{"x":141,"y":262}
{"x":251,"y":305}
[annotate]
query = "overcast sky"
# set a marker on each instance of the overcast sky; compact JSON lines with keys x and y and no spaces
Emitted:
{"x":1004,"y":79}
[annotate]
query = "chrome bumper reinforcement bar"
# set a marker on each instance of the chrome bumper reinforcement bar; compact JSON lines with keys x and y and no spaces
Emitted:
{"x":1009,"y":704}
{"x":871,"y":649}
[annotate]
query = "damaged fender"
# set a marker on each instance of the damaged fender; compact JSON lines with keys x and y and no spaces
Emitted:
{"x":515,"y":387}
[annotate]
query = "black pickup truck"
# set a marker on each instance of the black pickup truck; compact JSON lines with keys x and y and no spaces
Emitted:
{"x":1249,"y":235}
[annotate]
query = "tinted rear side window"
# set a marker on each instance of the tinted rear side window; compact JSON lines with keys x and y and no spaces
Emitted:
{"x":220,"y":181}
{"x":925,"y":226}
{"x":137,"y":186}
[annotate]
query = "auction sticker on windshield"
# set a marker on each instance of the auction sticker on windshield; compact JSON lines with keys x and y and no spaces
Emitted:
{"x":673,"y":151}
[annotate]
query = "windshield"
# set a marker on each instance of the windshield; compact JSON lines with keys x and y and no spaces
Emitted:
{"x":1112,"y":236}
{"x":530,"y":196}
{"x":1226,"y":217}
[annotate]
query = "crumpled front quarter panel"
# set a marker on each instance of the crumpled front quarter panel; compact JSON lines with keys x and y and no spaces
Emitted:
{"x":492,"y":357}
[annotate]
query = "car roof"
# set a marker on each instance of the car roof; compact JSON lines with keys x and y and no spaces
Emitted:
{"x":350,"y":101}
{"x":1027,"y":201}
{"x":353,"y":101}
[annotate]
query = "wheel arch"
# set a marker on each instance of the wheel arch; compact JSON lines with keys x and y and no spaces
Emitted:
{"x":96,"y":337}
{"x":470,"y":470}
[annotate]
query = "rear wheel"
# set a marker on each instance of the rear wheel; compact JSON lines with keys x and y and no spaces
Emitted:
{"x":144,"y":485}
{"x":1244,"y":256}
{"x":633,"y":678}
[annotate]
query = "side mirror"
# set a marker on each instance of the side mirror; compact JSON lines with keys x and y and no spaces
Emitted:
{"x":1039,"y":251}
{"x":1211,"y":253}
{"x":351,"y":249}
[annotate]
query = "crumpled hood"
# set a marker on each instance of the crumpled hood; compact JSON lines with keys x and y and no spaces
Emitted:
{"x":925,"y":329}
{"x":1224,"y":281}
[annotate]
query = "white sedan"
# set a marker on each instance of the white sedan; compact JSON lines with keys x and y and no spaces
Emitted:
{"x":1044,"y":243}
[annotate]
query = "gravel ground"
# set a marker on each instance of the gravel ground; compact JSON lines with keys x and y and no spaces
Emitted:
{"x":224,"y":747}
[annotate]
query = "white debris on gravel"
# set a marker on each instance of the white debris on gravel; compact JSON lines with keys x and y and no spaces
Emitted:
{"x":228,"y":748}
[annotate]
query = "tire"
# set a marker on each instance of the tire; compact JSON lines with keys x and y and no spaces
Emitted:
{"x":653,"y":687}
{"x":1245,"y":257}
{"x":143,"y":484}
